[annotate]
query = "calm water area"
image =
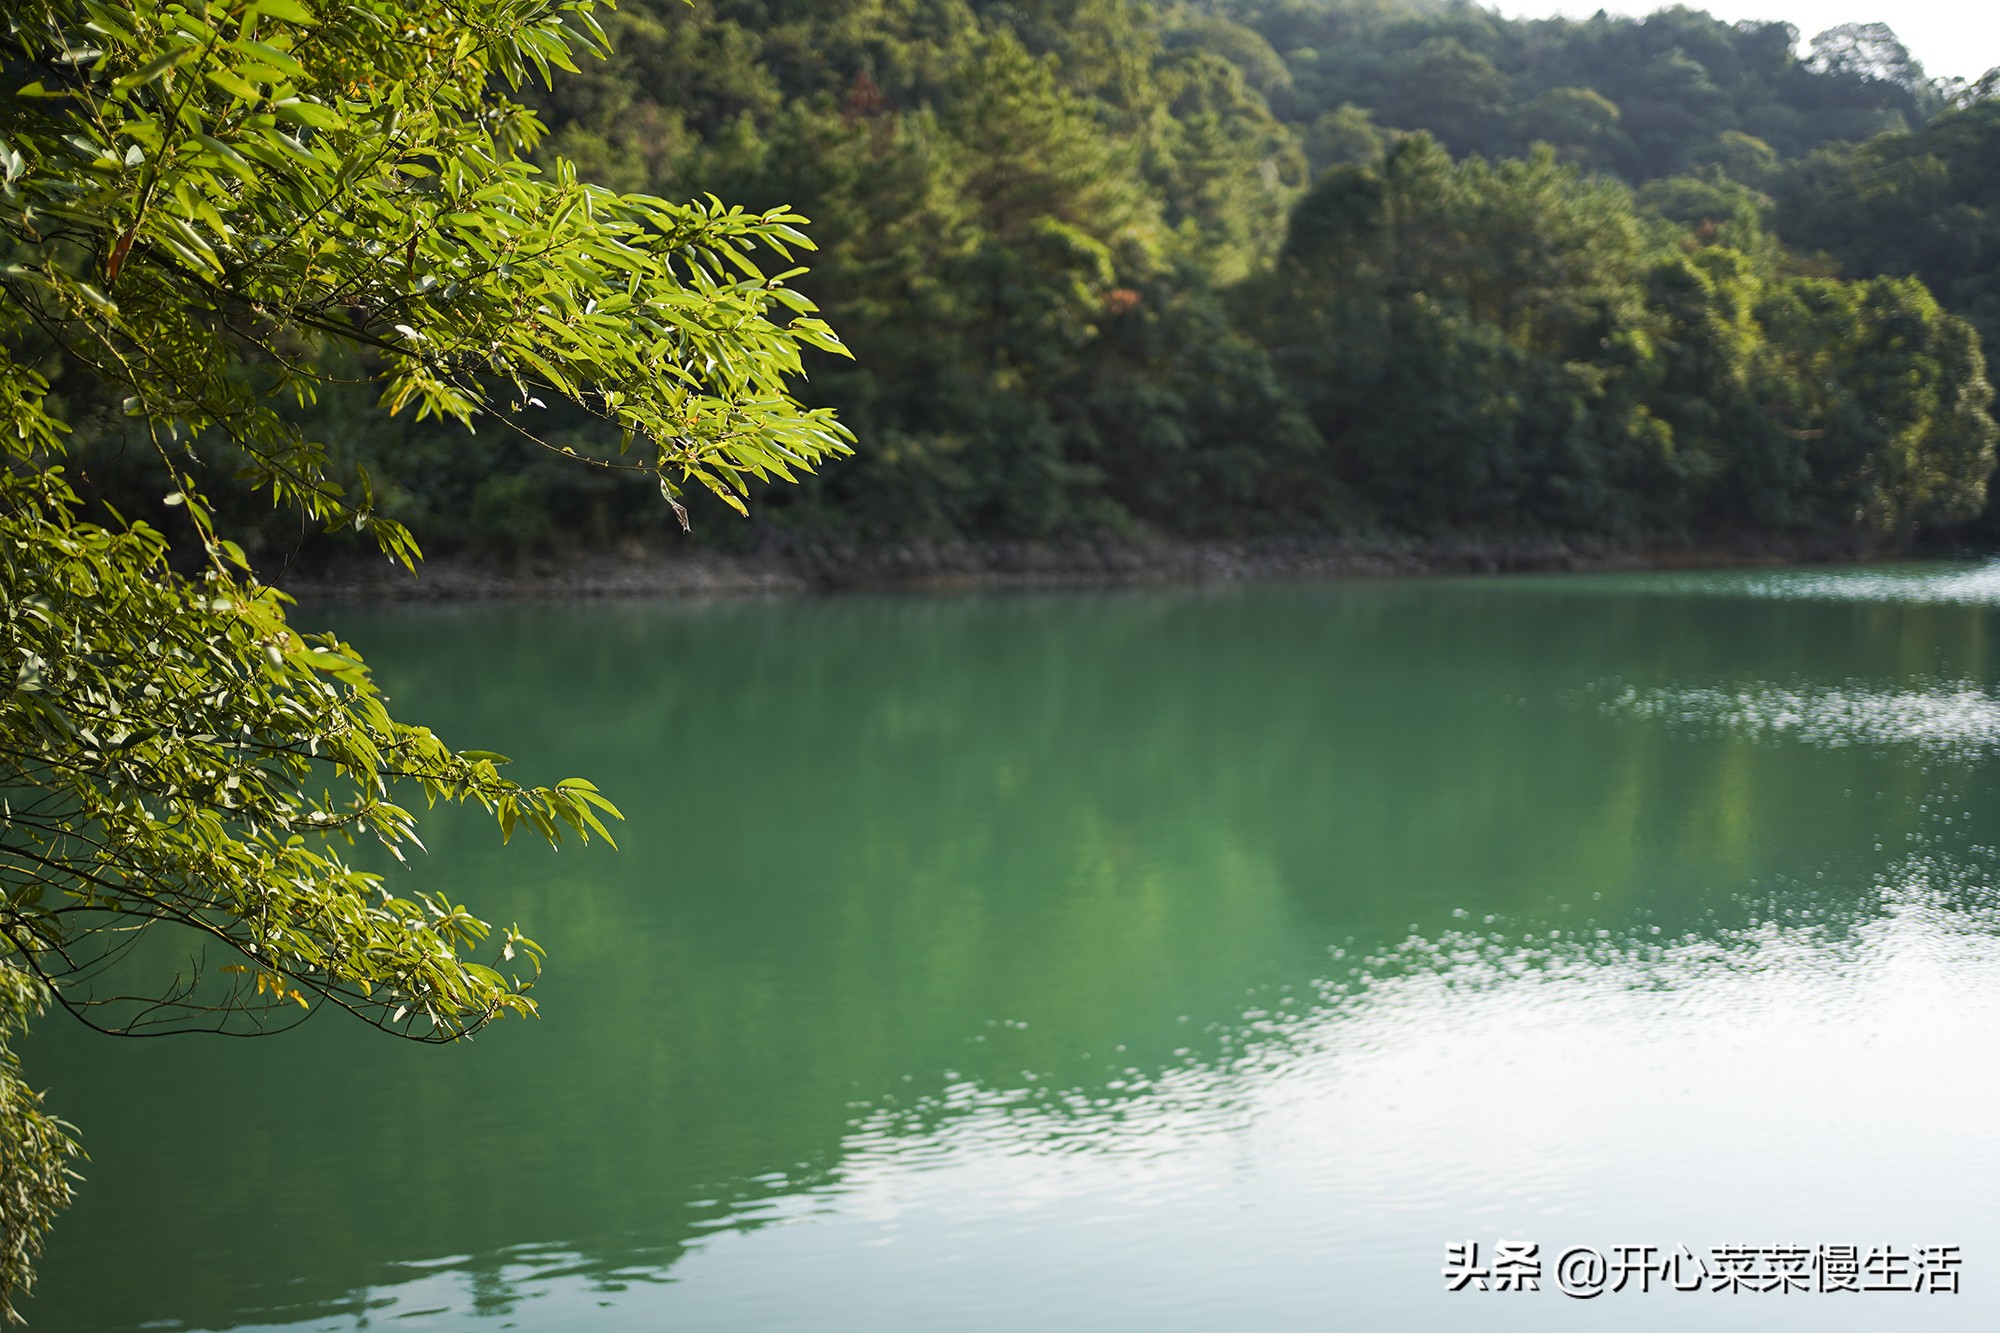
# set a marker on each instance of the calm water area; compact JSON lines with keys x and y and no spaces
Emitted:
{"x":1190,"y":960}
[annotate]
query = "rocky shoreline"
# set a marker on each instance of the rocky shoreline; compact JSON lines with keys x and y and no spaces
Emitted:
{"x":803,"y":567}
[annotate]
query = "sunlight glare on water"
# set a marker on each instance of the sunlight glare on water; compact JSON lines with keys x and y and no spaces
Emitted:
{"x":1480,"y":1087}
{"x":1964,"y":585}
{"x":1951,"y":717}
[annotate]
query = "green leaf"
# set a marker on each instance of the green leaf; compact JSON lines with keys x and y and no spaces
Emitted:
{"x":301,"y":112}
{"x":285,"y":11}
{"x":157,"y":66}
{"x":231,"y":82}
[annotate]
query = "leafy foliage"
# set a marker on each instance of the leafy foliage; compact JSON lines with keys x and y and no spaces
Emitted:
{"x":211,"y":214}
{"x":35,"y":1177}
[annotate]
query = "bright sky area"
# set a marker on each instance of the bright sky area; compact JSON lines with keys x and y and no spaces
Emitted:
{"x":1960,"y":39}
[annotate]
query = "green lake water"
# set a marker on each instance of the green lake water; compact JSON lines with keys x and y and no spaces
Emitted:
{"x":1198,"y":960}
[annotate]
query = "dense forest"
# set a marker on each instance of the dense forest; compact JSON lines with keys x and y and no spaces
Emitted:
{"x":1241,"y":267}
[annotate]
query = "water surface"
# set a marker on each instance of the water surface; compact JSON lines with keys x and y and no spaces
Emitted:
{"x":1190,"y":960}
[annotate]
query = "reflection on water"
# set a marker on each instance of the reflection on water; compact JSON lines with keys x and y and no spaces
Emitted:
{"x":1311,"y":1156}
{"x":1135,"y":961}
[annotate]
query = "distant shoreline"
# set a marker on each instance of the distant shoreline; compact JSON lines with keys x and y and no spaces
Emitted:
{"x":810,"y":566}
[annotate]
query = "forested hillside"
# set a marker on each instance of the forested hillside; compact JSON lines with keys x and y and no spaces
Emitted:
{"x":1676,"y":92}
{"x":1302,"y":266}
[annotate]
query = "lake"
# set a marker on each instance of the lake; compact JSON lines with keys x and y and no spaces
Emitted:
{"x":1188,"y":960}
